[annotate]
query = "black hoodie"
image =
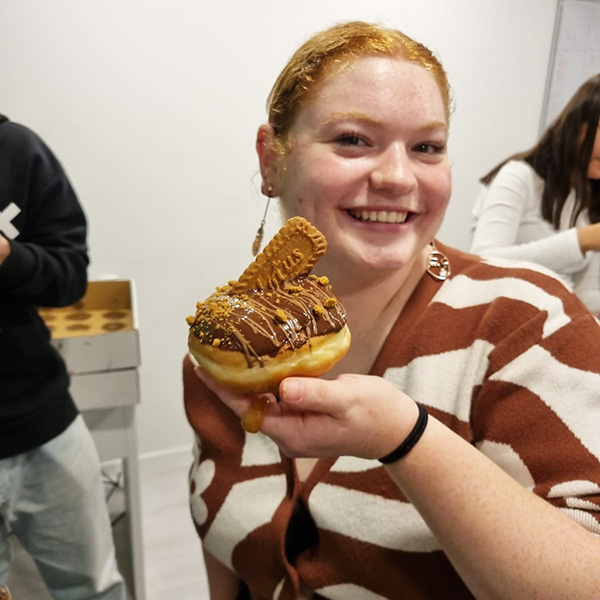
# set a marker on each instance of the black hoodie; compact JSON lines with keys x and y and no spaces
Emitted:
{"x":41,"y":217}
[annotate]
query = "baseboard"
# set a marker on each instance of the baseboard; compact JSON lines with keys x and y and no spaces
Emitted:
{"x":187,"y":449}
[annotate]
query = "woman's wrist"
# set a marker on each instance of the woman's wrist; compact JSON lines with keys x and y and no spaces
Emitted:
{"x":411,"y":439}
{"x":588,"y":237}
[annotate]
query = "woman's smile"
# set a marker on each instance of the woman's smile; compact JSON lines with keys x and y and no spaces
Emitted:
{"x":379,"y":216}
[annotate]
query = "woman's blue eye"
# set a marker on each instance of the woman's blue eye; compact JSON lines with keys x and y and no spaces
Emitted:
{"x":430,"y":148}
{"x":350,"y":139}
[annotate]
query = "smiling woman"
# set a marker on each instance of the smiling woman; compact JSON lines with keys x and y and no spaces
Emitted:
{"x":460,"y":369}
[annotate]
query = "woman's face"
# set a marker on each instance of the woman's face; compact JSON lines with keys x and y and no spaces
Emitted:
{"x":594,"y":167}
{"x":368,"y":164}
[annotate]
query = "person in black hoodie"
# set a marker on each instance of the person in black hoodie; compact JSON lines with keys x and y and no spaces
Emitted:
{"x":51,"y":491}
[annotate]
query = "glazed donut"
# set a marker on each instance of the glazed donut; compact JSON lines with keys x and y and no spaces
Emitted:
{"x":276,"y":321}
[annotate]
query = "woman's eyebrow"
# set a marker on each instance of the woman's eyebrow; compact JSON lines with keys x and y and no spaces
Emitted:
{"x":359,"y":116}
{"x":434,"y":125}
{"x":351,"y":116}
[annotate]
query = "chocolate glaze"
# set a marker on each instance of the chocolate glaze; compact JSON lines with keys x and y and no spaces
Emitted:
{"x":264,"y":322}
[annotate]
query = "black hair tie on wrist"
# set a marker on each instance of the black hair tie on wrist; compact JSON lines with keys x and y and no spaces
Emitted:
{"x":411,"y":439}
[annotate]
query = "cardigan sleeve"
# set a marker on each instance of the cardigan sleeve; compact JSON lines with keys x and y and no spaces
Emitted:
{"x":538,"y":417}
{"x":499,"y":213}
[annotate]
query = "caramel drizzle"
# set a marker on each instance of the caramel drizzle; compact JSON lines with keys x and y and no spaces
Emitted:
{"x":284,"y":316}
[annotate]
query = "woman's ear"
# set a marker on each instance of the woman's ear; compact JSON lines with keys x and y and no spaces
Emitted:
{"x":267,"y":159}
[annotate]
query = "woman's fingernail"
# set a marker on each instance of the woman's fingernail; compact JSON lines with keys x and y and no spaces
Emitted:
{"x":292,"y":390}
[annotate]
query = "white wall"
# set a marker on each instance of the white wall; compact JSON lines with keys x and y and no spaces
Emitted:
{"x":153,"y":105}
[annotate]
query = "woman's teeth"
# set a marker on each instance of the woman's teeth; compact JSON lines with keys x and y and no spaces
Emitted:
{"x":379,"y":216}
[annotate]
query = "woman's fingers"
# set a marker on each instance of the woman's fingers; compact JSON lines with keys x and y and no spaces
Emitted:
{"x":237,"y":402}
{"x":250,"y":408}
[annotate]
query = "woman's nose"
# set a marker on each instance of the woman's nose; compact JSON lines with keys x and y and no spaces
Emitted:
{"x":393,"y":170}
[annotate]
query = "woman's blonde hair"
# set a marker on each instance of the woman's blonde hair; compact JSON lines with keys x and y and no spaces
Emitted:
{"x":331,"y":50}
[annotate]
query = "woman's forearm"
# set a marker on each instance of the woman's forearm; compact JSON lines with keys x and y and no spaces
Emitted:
{"x":504,"y":541}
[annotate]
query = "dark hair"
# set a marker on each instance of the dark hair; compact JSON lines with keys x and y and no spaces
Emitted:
{"x":562,"y":156}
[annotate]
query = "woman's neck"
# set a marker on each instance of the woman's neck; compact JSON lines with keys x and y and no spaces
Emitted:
{"x":372,"y":308}
{"x":375,"y":293}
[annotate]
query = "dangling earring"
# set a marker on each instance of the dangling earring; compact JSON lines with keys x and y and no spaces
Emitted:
{"x":439,"y":265}
{"x":261,"y":229}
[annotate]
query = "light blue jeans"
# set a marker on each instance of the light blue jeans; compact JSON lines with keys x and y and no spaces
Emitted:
{"x":53,"y":500}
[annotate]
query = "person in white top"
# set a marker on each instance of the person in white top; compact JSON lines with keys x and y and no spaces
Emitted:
{"x":543,"y":205}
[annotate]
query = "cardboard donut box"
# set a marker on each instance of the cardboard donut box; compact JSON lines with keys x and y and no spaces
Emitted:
{"x":98,"y":337}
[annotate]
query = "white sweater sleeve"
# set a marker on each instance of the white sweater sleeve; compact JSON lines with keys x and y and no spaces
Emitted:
{"x":501,"y":211}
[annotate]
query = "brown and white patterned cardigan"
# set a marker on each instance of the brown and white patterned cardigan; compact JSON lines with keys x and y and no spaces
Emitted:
{"x":500,"y":353}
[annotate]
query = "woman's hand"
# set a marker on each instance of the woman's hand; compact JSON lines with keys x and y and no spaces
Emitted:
{"x":354,"y":415}
{"x":4,"y":249}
